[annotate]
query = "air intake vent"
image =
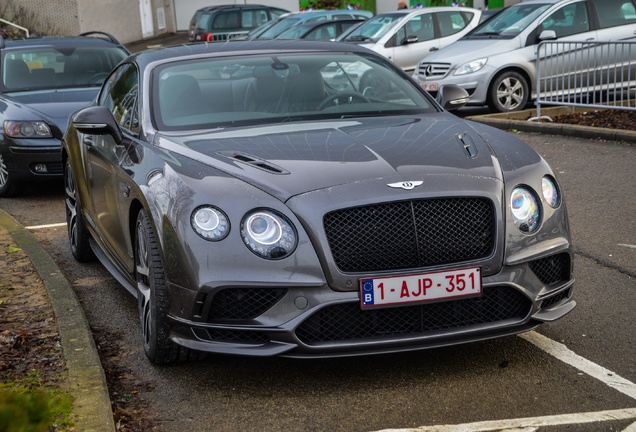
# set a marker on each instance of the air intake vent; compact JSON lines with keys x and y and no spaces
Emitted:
{"x":255,"y":162}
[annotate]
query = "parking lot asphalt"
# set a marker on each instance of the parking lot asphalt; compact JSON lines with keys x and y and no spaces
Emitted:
{"x":92,"y":407}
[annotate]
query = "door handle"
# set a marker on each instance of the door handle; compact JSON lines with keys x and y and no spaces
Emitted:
{"x":434,"y":49}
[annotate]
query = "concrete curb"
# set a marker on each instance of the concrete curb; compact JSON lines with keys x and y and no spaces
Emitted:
{"x":519,"y":121}
{"x":92,"y":411}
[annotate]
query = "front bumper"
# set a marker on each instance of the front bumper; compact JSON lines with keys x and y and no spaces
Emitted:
{"x":32,"y":159}
{"x":476,"y":84}
{"x":306,"y":322}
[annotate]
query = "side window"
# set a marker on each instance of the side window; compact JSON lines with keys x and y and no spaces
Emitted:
{"x":226,"y":20}
{"x":253,"y":18}
{"x":569,"y":20}
{"x":325,"y":32}
{"x":421,"y":26}
{"x":451,"y":22}
{"x":119,"y":95}
{"x":612,"y":13}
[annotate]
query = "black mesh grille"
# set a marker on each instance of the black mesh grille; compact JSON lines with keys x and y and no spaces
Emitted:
{"x":244,"y":303}
{"x":235,"y":336}
{"x":555,"y":298}
{"x":411,"y":234}
{"x":552,"y":269}
{"x":348,"y":322}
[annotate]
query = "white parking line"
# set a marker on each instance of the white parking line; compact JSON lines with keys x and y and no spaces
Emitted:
{"x":531,"y":424}
{"x":567,"y":356}
{"x":627,"y":245}
{"x":56,"y":225}
{"x":630,"y":428}
{"x":527,"y":424}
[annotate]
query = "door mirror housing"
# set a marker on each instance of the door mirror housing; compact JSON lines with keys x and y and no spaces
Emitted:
{"x":97,"y":120}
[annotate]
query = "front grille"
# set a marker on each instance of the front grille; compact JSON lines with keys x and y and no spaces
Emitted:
{"x":411,"y":234}
{"x":552,"y":269}
{"x":348,"y":322}
{"x":433,"y":71}
{"x":244,"y":303}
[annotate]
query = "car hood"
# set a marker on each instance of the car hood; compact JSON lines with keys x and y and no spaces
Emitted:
{"x":465,"y":50}
{"x":294,"y":158}
{"x":53,"y":106}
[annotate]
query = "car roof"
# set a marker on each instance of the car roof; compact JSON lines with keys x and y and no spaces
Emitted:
{"x":231,"y":6}
{"x":238,"y":47}
{"x":84,"y":39}
{"x":309,"y":14}
{"x":322,"y":23}
{"x":429,"y":10}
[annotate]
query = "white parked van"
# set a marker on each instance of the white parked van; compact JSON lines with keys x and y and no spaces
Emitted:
{"x":496,"y":62}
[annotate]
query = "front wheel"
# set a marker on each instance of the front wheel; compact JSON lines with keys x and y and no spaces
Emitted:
{"x":78,"y":235}
{"x":152,"y":295}
{"x":8,"y":186}
{"x":508,"y":92}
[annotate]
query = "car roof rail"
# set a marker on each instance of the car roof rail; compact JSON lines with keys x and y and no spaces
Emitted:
{"x":101,"y":33}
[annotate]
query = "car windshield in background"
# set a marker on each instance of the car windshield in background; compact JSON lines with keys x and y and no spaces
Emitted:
{"x":279,"y":27}
{"x":509,"y":22}
{"x":56,"y":67}
{"x":374,"y":28}
{"x":200,"y":94}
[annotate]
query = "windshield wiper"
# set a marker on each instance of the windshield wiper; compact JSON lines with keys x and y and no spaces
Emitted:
{"x":358,"y":38}
{"x":484,"y":34}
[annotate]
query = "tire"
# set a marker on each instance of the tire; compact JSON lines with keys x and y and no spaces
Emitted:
{"x":78,"y":235}
{"x":152,"y":295}
{"x":508,"y":92}
{"x":8,"y":187}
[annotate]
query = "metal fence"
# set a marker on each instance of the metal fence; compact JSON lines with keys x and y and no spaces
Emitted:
{"x":220,"y":37}
{"x":588,"y":74}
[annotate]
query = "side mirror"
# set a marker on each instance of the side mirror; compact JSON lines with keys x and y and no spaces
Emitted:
{"x":410,"y":40}
{"x":452,"y":97}
{"x":97,"y":120}
{"x":547,"y":35}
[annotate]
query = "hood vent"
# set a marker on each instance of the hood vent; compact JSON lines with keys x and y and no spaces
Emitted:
{"x":255,"y":162}
{"x":468,"y":145}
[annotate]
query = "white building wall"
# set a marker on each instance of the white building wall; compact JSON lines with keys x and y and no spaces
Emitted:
{"x":121,"y":18}
{"x":184,"y":9}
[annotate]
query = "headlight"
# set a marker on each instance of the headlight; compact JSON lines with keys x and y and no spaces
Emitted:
{"x":471,"y":67}
{"x":525,"y":209}
{"x":27,"y":129}
{"x":210,"y":223}
{"x":268,"y":234}
{"x":550,"y":191}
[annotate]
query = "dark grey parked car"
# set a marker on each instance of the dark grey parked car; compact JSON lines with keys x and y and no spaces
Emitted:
{"x":261,"y":198}
{"x":42,"y":81}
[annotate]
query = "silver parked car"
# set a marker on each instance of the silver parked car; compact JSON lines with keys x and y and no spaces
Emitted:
{"x":496,"y":62}
{"x":407,"y":36}
{"x":258,"y":199}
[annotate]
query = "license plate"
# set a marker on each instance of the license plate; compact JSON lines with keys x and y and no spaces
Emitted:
{"x":430,"y":86}
{"x":419,"y":288}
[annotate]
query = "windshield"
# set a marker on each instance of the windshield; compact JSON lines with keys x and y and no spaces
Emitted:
{"x":279,"y":27}
{"x":58,"y":67}
{"x":374,"y":28}
{"x":295,"y":32}
{"x":203,"y":94}
{"x":509,"y":22}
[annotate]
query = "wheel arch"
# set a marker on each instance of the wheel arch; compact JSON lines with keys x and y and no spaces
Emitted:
{"x":519,"y":70}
